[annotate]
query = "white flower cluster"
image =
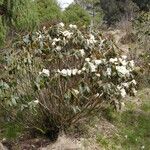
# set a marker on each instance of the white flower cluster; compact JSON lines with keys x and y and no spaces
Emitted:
{"x":73,"y":26}
{"x":122,"y":66}
{"x":69,"y":72}
{"x":127,"y":85}
{"x":45,"y":72}
{"x":67,"y":34}
{"x":61,"y":24}
{"x":82,"y":52}
{"x":91,"y":40}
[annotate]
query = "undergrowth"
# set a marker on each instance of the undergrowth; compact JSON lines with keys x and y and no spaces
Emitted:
{"x":133,"y":126}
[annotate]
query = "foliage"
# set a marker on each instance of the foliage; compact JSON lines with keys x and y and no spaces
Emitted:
{"x":57,"y":76}
{"x":76,"y":14}
{"x":24,"y":14}
{"x":141,"y":30}
{"x":48,"y":10}
{"x":20,"y":13}
{"x":2,"y":33}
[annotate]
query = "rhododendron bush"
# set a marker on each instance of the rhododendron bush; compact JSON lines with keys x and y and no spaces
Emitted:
{"x":62,"y":73}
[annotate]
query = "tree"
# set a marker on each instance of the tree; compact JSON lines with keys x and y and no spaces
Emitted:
{"x":76,"y":14}
{"x":143,"y":5}
{"x":115,"y":10}
{"x":93,"y":8}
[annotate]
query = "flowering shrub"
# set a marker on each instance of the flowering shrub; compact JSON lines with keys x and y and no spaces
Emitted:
{"x":62,"y":74}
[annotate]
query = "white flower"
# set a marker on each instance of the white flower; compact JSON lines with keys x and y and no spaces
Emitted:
{"x":97,"y":94}
{"x":56,"y":39}
{"x":67,"y":34}
{"x":143,"y":147}
{"x":73,"y":26}
{"x":87,"y":59}
{"x":68,"y":72}
{"x":82,"y":53}
{"x":134,"y":82}
{"x":64,"y":72}
{"x":53,"y":44}
{"x":76,"y":91}
{"x":104,"y":60}
{"x":112,"y":60}
{"x":83,"y":69}
{"x":124,"y":63}
{"x":123,"y":92}
{"x":61,"y":24}
{"x":74,"y":71}
{"x":122,"y":104}
{"x":92,"y":67}
{"x":125,"y":85}
{"x":134,"y":91}
{"x":79,"y":72}
{"x":98,"y":62}
{"x":44,"y":27}
{"x":124,"y":57}
{"x":91,"y":40}
{"x":58,"y":48}
{"x":40,"y":36}
{"x":108,"y":72}
{"x":131,"y":63}
{"x":119,"y":87}
{"x":45,"y":71}
{"x":122,"y":70}
{"x":120,"y":59}
{"x":97,"y":74}
{"x":36,"y":101}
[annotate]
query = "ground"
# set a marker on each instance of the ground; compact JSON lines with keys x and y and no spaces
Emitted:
{"x":128,"y":129}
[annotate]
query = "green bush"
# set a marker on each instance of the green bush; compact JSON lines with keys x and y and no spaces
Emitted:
{"x":24,"y":15}
{"x":48,"y":10}
{"x":75,"y":14}
{"x":57,"y":76}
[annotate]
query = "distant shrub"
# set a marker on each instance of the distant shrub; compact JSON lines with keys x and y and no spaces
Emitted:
{"x":75,"y":14}
{"x":48,"y":10}
{"x":58,"y":76}
{"x":23,"y":15}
